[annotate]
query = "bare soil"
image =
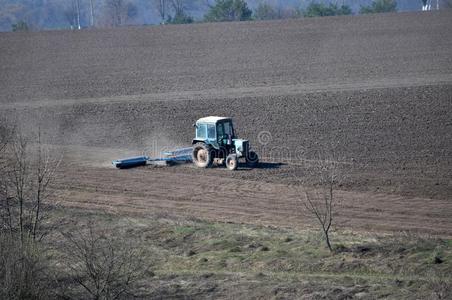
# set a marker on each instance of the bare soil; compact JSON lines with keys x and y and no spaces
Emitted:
{"x":375,"y":92}
{"x":216,"y":197}
{"x":404,"y":47}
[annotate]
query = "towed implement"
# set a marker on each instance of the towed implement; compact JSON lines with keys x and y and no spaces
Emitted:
{"x":179,"y":155}
{"x":215,"y":142}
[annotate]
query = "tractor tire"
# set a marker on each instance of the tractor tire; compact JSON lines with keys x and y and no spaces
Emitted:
{"x":202,"y":155}
{"x":222,"y":154}
{"x":252,"y":159}
{"x":232,"y":162}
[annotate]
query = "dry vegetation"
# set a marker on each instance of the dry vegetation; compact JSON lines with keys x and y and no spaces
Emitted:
{"x":190,"y":258}
{"x":91,"y":265}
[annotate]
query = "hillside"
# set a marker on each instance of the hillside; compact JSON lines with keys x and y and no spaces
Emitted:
{"x":374,"y":91}
{"x":409,"y":48}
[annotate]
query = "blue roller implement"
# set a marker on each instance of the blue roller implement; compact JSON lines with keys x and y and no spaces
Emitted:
{"x":178,"y":155}
{"x":182,"y":154}
{"x":130,"y":162}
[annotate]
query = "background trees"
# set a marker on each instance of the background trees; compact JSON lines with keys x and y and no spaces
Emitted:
{"x":228,"y":10}
{"x":19,"y":26}
{"x":321,"y":10}
{"x":173,"y":11}
{"x":380,"y":6}
{"x":79,"y":14}
{"x":180,"y":15}
{"x":265,"y":11}
{"x":119,"y":12}
{"x":161,"y":6}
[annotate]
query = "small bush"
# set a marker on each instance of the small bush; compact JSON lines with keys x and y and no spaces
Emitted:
{"x":20,"y":26}
{"x":100,"y":267}
{"x":180,"y":18}
{"x":228,"y":10}
{"x":322,"y":10}
{"x":380,"y":6}
{"x":23,"y":269}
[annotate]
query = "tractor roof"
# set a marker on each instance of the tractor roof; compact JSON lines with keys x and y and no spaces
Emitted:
{"x":212,"y":119}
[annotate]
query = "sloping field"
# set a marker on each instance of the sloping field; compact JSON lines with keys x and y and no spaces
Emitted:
{"x":375,"y":91}
{"x":392,"y":48}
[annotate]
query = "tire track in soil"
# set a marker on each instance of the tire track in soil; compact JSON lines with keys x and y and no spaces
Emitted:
{"x":145,"y":191}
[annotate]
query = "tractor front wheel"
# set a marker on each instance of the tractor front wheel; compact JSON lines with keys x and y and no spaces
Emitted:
{"x":202,"y":155}
{"x":232,"y":162}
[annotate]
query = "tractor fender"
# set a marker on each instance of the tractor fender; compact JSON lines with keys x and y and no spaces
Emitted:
{"x":197,"y":141}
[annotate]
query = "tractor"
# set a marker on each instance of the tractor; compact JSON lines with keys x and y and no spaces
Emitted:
{"x":215,"y":141}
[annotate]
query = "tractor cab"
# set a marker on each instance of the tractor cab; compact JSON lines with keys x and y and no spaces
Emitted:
{"x":215,"y":140}
{"x":215,"y":131}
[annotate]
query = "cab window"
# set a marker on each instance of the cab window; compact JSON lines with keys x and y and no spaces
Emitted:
{"x":201,"y":131}
{"x":211,"y":131}
{"x":228,"y":128}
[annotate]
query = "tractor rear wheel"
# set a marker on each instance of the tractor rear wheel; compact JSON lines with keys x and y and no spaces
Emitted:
{"x":202,"y":155}
{"x":232,"y":162}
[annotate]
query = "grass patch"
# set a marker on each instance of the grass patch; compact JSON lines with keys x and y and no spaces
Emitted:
{"x":188,"y":254}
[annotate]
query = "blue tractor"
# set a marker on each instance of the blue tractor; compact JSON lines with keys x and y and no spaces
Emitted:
{"x":215,"y":140}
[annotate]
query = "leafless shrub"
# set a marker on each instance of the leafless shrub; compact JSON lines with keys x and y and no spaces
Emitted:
{"x":321,"y":204}
{"x":23,"y":269}
{"x":6,"y":134}
{"x":25,"y":180}
{"x":101,"y":268}
{"x":25,"y":176}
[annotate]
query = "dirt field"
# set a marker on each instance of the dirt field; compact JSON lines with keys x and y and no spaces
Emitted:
{"x":373,"y":91}
{"x":392,"y":48}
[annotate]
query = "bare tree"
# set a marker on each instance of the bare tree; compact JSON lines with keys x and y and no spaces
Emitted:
{"x":322,"y":203}
{"x":162,"y":7}
{"x":91,"y":10}
{"x":77,"y":5}
{"x":120,"y":12}
{"x":178,"y":7}
{"x":116,"y":10}
{"x":6,"y":133}
{"x":23,"y":188}
{"x":25,"y":180}
{"x":72,"y":14}
{"x":101,"y":267}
